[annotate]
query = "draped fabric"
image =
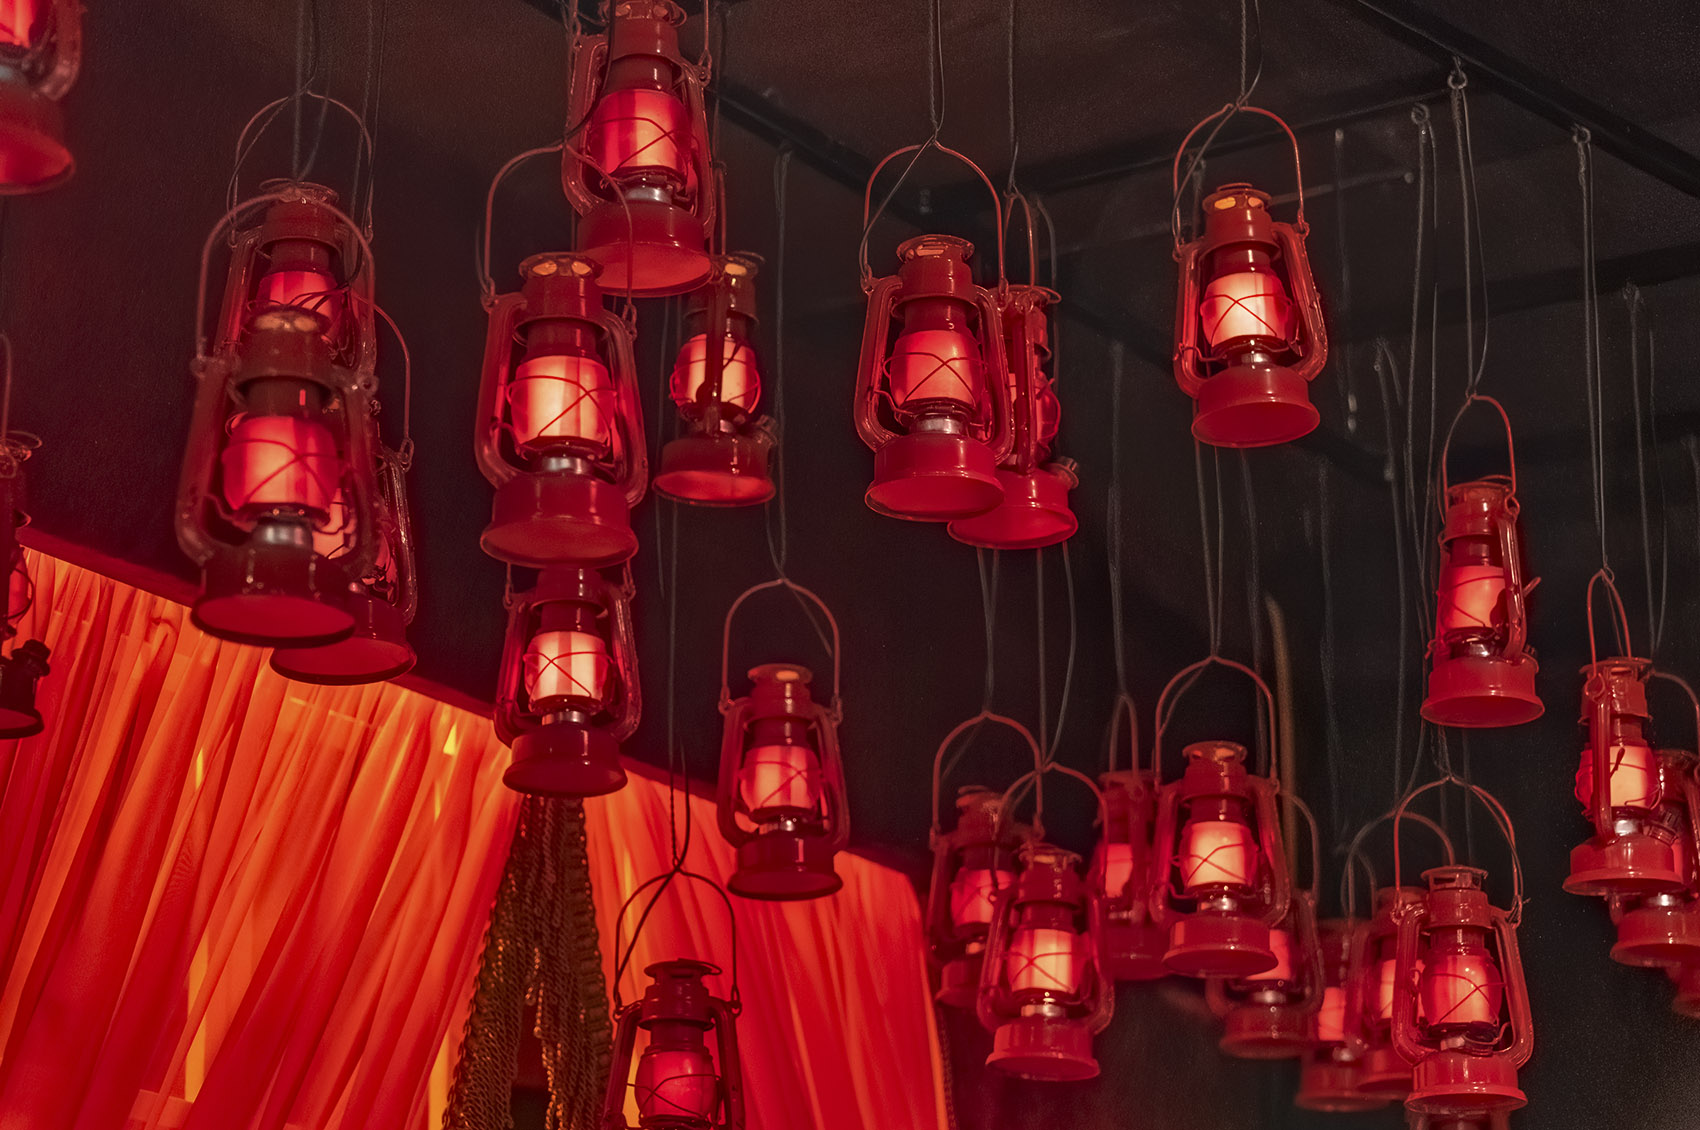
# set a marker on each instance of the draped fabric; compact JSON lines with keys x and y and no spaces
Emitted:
{"x":233,"y":902}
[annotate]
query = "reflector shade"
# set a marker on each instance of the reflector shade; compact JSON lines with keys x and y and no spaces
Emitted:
{"x":1216,"y":853}
{"x":562,"y":666}
{"x":971,"y":895}
{"x":558,"y":398}
{"x":639,"y":131}
{"x":1246,"y":305}
{"x":279,"y":461}
{"x":740,"y":384}
{"x":1045,"y":960}
{"x":935,"y":365}
{"x":1461,"y":989}
{"x":780,"y":777}
{"x":674,"y":1084}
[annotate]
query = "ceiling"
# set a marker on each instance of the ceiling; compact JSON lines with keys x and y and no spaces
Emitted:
{"x":98,"y":293}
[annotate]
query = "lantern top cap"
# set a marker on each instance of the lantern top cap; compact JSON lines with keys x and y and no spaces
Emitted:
{"x":568,"y":263}
{"x":935,"y":246}
{"x":1237,"y":194}
{"x":1455,"y":877}
{"x":780,"y":673}
{"x":646,"y":10}
{"x":1618,"y":667}
{"x":299,"y":191}
{"x":681,"y":968}
{"x":1388,"y":897}
{"x":740,"y":264}
{"x":1041,"y":854}
{"x":1216,"y":752}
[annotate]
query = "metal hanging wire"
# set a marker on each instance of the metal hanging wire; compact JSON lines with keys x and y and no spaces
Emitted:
{"x":1251,"y":28}
{"x":1647,"y":448}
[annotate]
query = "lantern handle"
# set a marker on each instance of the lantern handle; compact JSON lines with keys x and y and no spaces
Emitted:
{"x":1604,"y":573}
{"x":1166,"y":706}
{"x":918,"y":150}
{"x":973,"y":724}
{"x":1349,"y":880}
{"x":1034,"y":778}
{"x":1013,"y":198}
{"x":665,"y":879}
{"x":486,"y":283}
{"x":1124,"y":708}
{"x":1500,"y":817}
{"x":245,"y":145}
{"x":1227,"y":111}
{"x":1355,"y":849}
{"x":1304,"y":810}
{"x":802,"y":593}
{"x":1510,"y":448}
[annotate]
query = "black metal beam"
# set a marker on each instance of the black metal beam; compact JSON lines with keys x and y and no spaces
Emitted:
{"x":1539,"y":93}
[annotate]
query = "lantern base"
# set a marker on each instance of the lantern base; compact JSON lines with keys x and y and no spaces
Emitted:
{"x":1219,"y":945}
{"x":659,"y":250}
{"x":934,"y":477}
{"x":33,"y":154}
{"x":1456,"y":1082}
{"x":1630,"y":864}
{"x":1037,"y":1047}
{"x":1475,"y":692}
{"x":784,"y":867}
{"x":1332,"y":1087}
{"x":376,"y":651}
{"x":565,"y":759}
{"x":1657,"y":936}
{"x":722,"y":469}
{"x":1383,"y":1072}
{"x":559,"y":518}
{"x":1272,"y":1031}
{"x":959,"y":982}
{"x":1135,"y":953}
{"x":1687,"y":1001}
{"x":273,"y":595}
{"x":1034,"y":512}
{"x":1254,"y":405}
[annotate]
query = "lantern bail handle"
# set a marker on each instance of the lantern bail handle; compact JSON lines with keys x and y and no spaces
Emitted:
{"x":487,"y":284}
{"x":1510,"y":448}
{"x":245,"y":146}
{"x":1183,"y":680}
{"x":1348,"y":884}
{"x":1229,"y":110}
{"x":1124,"y":708}
{"x":665,"y":879}
{"x":970,"y":725}
{"x":1034,"y":778}
{"x":1500,"y":817}
{"x":868,"y":216}
{"x":1604,"y":573}
{"x":1672,"y":677}
{"x":803,"y":594}
{"x":1303,"y":810}
{"x":1014,"y":197}
{"x":1349,"y":880}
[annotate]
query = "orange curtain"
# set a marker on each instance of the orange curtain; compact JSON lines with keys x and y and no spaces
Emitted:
{"x":233,"y":902}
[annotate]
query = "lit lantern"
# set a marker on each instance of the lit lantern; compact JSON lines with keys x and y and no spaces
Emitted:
{"x":1133,"y":944}
{"x":722,"y":459}
{"x":1270,"y":1015}
{"x":1369,"y":992}
{"x":932,"y":402}
{"x":1249,"y":335}
{"x":281,"y":431}
{"x":1035,"y":510}
{"x":568,"y":693}
{"x":1331,"y":1075}
{"x":27,"y":663}
{"x":782,"y":800}
{"x":560,"y":432}
{"x":1482,"y":672}
{"x":41,"y":47}
{"x":1632,"y":851}
{"x":1662,"y":928}
{"x":1043,"y":991}
{"x":681,"y":1082}
{"x":971,"y":863}
{"x":1460,"y":1009}
{"x":640,"y":173}
{"x":1222,"y":837}
{"x":382,"y":601}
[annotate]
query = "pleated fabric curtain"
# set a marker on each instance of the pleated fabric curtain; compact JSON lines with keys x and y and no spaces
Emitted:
{"x":233,"y":902}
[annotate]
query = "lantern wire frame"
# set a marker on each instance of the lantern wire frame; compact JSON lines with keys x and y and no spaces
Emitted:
{"x":1221,"y":117}
{"x":802,"y":593}
{"x":1354,"y":850}
{"x":1500,"y":817}
{"x":1183,"y":681}
{"x":249,"y":138}
{"x":869,"y":217}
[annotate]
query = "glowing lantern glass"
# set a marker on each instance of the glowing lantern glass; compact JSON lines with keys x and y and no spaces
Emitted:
{"x":27,"y":664}
{"x":41,"y":44}
{"x":971,"y":863}
{"x":560,"y":433}
{"x":568,"y":690}
{"x":641,"y":175}
{"x":1269,"y":1015}
{"x":1133,"y":944}
{"x":932,"y":402}
{"x":1222,"y":837}
{"x":281,"y":459}
{"x":680,"y":1081}
{"x":1370,"y":990}
{"x":722,"y":457}
{"x":1462,"y":1019}
{"x":1043,"y":994}
{"x":1331,"y":1073}
{"x":1661,"y":928}
{"x":1034,"y":511}
{"x":1249,"y":335}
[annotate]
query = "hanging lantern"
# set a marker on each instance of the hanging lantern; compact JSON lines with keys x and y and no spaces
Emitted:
{"x":1034,"y":511}
{"x":1270,"y":1015}
{"x":681,"y":1082}
{"x":41,"y":47}
{"x":1134,"y":945}
{"x":281,"y":430}
{"x":1249,"y":336}
{"x":560,"y":433}
{"x":722,"y":459}
{"x":1460,"y":1009}
{"x":1043,"y":991}
{"x":1382,"y":1071}
{"x":568,"y":694}
{"x":641,"y":173}
{"x":1331,"y":1074}
{"x":971,"y":863}
{"x":1661,"y":928}
{"x":1225,"y":881}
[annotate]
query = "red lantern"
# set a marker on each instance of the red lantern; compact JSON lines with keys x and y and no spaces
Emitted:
{"x":1270,"y":1015}
{"x":560,"y":432}
{"x":681,"y":1083}
{"x":1331,"y":1075}
{"x":282,"y":430}
{"x":1043,"y":991}
{"x":568,"y":694}
{"x":722,"y":459}
{"x":1370,"y":983}
{"x":971,"y":863}
{"x":41,"y":47}
{"x":641,"y":173}
{"x":1662,"y":928}
{"x":1134,"y":944}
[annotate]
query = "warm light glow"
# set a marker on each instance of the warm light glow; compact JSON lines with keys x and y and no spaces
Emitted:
{"x":633,"y":132}
{"x":1469,"y":597}
{"x":1045,"y":960}
{"x":1462,"y":988}
{"x":971,"y":895}
{"x":780,"y":777}
{"x":565,"y":665}
{"x":935,"y":365}
{"x":1117,"y":861}
{"x":313,"y":291}
{"x":740,"y":384}
{"x":1387,"y":977}
{"x":17,"y":20}
{"x":279,"y":461}
{"x":1634,"y":776}
{"x":1246,"y":306}
{"x":1331,"y":1017}
{"x":675,"y":1083}
{"x":558,"y":398}
{"x":1281,"y":941}
{"x":1216,"y":853}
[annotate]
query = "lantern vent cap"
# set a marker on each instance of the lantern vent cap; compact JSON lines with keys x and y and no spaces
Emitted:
{"x":566,"y":263}
{"x":298,"y":191}
{"x":1236,"y":194}
{"x":1455,"y":877}
{"x":1216,"y":752}
{"x":781,"y":673}
{"x":935,"y":246}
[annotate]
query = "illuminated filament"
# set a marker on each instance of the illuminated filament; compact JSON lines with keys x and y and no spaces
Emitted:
{"x":316,"y":292}
{"x":935,"y":369}
{"x":640,"y":132}
{"x":971,"y":895}
{"x":562,"y":668}
{"x":1044,"y":960}
{"x":1470,"y":598}
{"x":1246,"y":308}
{"x":780,"y":778}
{"x":1118,"y":867}
{"x":279,"y":462}
{"x":676,"y":1084}
{"x":563,"y":400}
{"x":1281,"y":941}
{"x":1634,"y":776}
{"x":1331,"y":1017}
{"x":1462,"y":989}
{"x":1216,"y":853}
{"x":740,"y":386}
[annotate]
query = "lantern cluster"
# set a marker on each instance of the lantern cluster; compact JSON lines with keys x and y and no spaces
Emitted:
{"x":1271,"y":1014}
{"x":1134,"y":944}
{"x":41,"y":47}
{"x":687,"y":1076}
{"x":972,"y":863}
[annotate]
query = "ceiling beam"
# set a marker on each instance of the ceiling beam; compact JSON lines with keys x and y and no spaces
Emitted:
{"x":1534,"y":91}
